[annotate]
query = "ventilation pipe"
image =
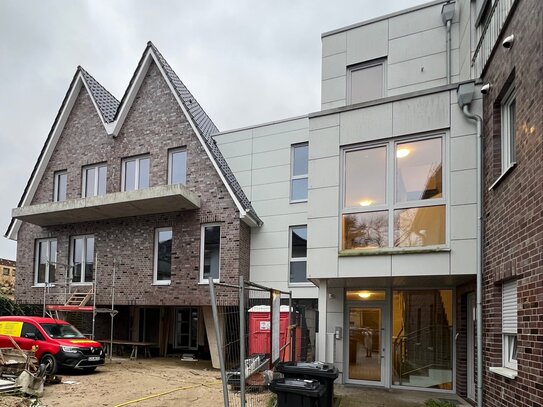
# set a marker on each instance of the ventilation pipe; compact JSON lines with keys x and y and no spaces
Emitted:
{"x":465,"y":93}
{"x":447,"y":14}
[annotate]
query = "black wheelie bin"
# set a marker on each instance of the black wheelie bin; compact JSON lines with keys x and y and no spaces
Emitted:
{"x":324,"y":373}
{"x":298,"y":392}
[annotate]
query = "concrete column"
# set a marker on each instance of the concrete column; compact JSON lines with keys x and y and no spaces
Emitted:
{"x":211,"y":335}
{"x":321,"y":337}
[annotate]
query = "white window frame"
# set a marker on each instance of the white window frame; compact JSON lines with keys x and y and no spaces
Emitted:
{"x":137,"y":159}
{"x":390,"y":204}
{"x":297,"y":177}
{"x":509,"y":324}
{"x":170,"y":163}
{"x":94,"y":167}
{"x":202,"y":249}
{"x":155,"y":258}
{"x":37,"y":260}
{"x":507,"y":139}
{"x":296,"y":259}
{"x":56,"y":184}
{"x":84,"y":256}
{"x":365,"y":65}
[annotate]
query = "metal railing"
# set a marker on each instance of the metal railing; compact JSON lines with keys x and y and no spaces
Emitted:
{"x":489,"y":33}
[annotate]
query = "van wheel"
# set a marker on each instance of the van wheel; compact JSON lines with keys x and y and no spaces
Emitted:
{"x":50,"y":364}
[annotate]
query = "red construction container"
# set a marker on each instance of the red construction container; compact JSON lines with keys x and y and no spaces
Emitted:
{"x":260,"y":330}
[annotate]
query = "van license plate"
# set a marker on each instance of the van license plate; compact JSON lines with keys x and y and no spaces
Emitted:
{"x":94,"y":358}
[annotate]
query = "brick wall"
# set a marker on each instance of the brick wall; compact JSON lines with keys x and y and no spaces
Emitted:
{"x":154,"y":125}
{"x":513,"y":211}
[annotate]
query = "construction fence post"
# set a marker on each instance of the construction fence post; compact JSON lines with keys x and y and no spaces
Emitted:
{"x":218,"y":335}
{"x":242,"y":340}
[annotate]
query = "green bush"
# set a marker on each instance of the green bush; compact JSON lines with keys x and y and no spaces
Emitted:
{"x":10,"y":307}
{"x":438,"y":403}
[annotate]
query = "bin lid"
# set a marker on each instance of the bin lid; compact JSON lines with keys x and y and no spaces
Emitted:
{"x":266,"y":308}
{"x":316,"y":369}
{"x":309,"y":388}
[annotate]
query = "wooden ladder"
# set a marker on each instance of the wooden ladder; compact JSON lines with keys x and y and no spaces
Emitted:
{"x":79,"y":298}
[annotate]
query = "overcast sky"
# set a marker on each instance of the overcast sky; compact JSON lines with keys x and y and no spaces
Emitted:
{"x":246,"y":62}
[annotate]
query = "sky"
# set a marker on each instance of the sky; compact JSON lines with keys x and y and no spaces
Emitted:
{"x":246,"y":62}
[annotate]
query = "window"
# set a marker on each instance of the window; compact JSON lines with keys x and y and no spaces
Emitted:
{"x":30,"y":331}
{"x":365,"y":82}
{"x":45,"y":261}
{"x":298,"y":176}
{"x":135,"y":173}
{"x":177,"y":166}
{"x":298,"y":254}
{"x":82,"y":259}
{"x":61,"y":179}
{"x":508,"y":130}
{"x":94,"y":180}
{"x":393,"y":195}
{"x":5,"y":271}
{"x":509,"y":324}
{"x":210,"y":253}
{"x":163,"y":256}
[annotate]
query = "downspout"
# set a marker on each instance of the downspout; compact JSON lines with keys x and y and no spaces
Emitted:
{"x":464,"y":101}
{"x":447,"y":14}
{"x":448,"y":52}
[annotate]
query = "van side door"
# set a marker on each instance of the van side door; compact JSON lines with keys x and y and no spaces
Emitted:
{"x":29,"y":336}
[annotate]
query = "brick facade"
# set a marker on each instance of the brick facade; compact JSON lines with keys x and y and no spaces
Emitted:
{"x":513,"y":210}
{"x":155,"y":124}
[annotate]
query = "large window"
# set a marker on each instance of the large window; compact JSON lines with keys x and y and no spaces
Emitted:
{"x":298,"y":255}
{"x":393,"y":195}
{"x":298,"y":176}
{"x":61,"y":180}
{"x":163,"y":256}
{"x":94,"y":180}
{"x":135,"y":173}
{"x":508,"y":130}
{"x":82,"y":259}
{"x":365,"y":82}
{"x":45,"y":261}
{"x":210,"y":253}
{"x":509,"y":324}
{"x":177,"y":166}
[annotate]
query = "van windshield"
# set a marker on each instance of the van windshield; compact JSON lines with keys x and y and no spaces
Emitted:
{"x":62,"y":331}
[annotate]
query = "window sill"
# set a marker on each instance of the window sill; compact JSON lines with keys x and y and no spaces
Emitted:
{"x":162,"y":283}
{"x":298,"y":201}
{"x":206,"y":282}
{"x":41,"y":285}
{"x":381,"y":252}
{"x":504,"y":371}
{"x":503,"y":176}
{"x":301,"y":285}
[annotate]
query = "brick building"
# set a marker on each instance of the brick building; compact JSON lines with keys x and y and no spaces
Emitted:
{"x":513,"y":201}
{"x":7,"y":277}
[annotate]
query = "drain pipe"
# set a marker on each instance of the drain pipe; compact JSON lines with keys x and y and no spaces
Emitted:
{"x":447,"y":14}
{"x":465,"y":95}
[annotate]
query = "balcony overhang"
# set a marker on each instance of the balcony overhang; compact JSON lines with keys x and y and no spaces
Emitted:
{"x":161,"y":199}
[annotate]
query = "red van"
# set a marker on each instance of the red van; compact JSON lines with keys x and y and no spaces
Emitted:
{"x":57,"y":343}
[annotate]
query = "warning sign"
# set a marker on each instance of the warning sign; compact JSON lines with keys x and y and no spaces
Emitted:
{"x":11,"y":328}
{"x":265,"y":325}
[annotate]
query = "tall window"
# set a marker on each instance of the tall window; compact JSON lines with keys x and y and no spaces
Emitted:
{"x":298,"y":176}
{"x":298,"y":254}
{"x":61,"y":180}
{"x":163,"y":256}
{"x":135,"y":173}
{"x":45,"y":261}
{"x":365,"y":82}
{"x":393,"y":195}
{"x":509,"y":324}
{"x":508,"y":129}
{"x":210,"y":253}
{"x":177,"y":166}
{"x":82,"y":259}
{"x":94,"y":180}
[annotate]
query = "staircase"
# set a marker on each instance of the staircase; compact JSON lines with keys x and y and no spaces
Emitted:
{"x":79,"y":298}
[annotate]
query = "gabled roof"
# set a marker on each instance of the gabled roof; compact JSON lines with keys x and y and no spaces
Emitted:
{"x":112,"y":113}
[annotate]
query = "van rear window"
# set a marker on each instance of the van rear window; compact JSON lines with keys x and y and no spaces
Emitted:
{"x":62,"y":331}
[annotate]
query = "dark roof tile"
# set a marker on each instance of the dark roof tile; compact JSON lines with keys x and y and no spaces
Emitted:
{"x":106,"y":102}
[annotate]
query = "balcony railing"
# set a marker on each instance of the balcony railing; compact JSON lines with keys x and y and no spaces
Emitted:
{"x":489,"y":33}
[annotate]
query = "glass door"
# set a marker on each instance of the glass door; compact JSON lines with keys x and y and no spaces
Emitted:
{"x":186,"y":328}
{"x":366,"y":351}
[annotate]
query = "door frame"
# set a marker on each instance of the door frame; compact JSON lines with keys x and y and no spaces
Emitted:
{"x":385,"y":339}
{"x":176,"y":345}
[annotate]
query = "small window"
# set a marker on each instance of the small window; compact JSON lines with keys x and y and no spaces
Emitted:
{"x":135,"y":173}
{"x":45,"y":261}
{"x":94,"y":180}
{"x":508,"y":130}
{"x":30,"y":331}
{"x":299,"y":169}
{"x":177,"y":166}
{"x":61,"y":179}
{"x":210,"y":253}
{"x":298,"y":254}
{"x":509,"y":324}
{"x":5,"y":271}
{"x":365,"y":82}
{"x":163,"y":256}
{"x":82,"y":259}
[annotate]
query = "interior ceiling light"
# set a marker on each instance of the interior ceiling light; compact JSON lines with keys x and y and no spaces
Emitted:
{"x":366,"y":202}
{"x":402,"y":152}
{"x":364,"y":294}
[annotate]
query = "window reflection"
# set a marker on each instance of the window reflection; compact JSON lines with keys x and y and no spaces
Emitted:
{"x":365,"y":230}
{"x":419,"y":226}
{"x":365,"y":177}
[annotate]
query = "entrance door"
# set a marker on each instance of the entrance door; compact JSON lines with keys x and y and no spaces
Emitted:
{"x":186,"y":328}
{"x":366,"y":349}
